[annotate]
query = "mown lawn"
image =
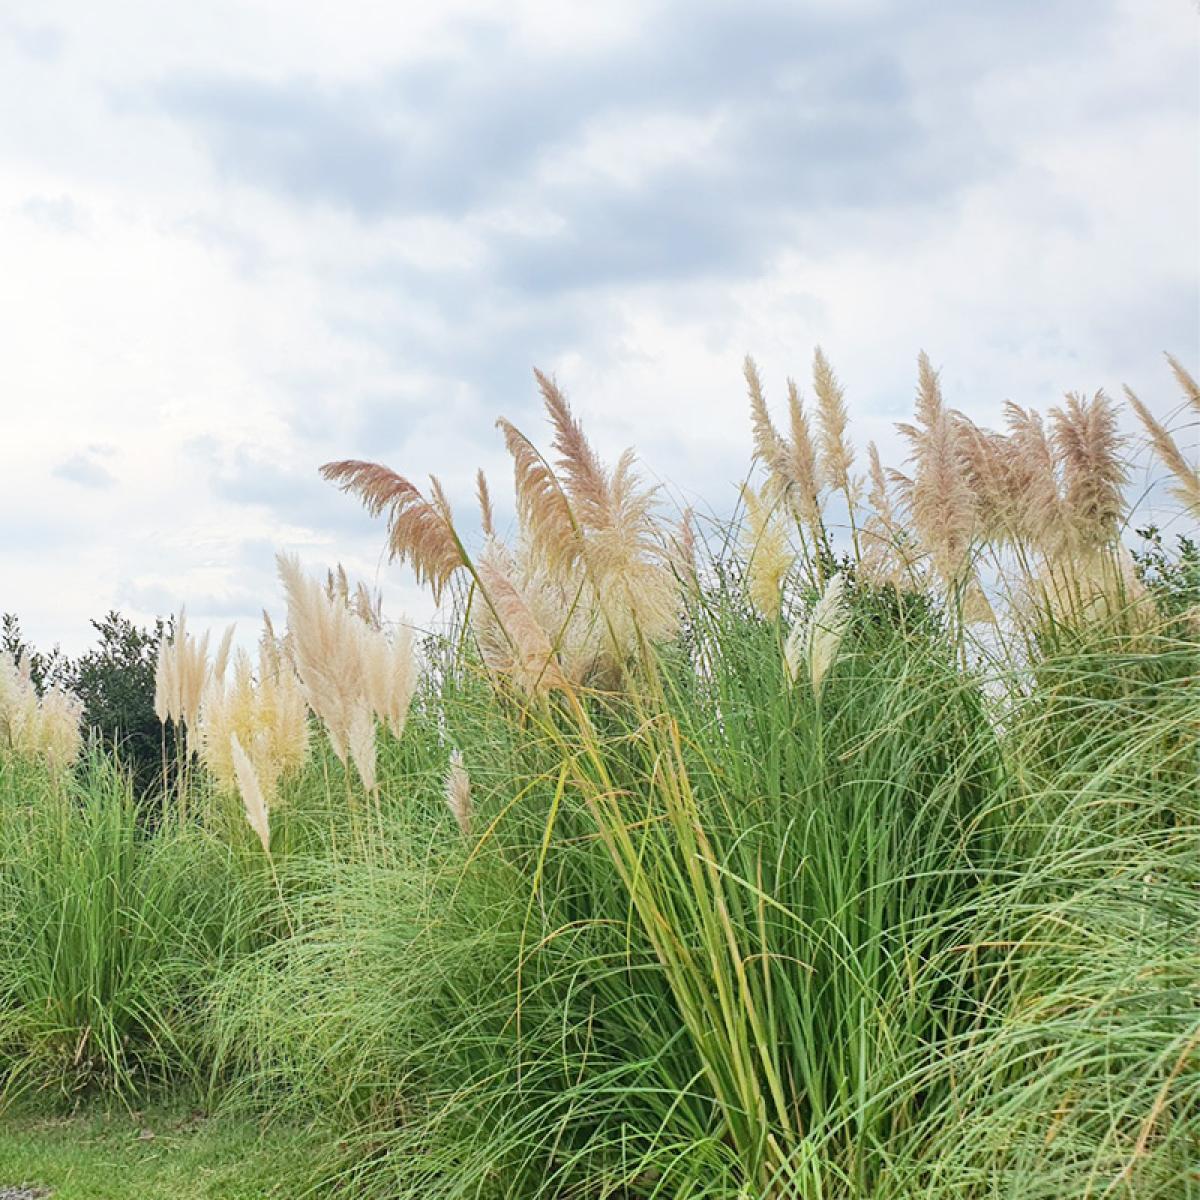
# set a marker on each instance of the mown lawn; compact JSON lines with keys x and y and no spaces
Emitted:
{"x":152,"y":1155}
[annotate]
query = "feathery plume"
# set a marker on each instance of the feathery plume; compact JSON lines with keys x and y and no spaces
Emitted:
{"x":388,"y":669}
{"x":458,"y":792}
{"x":886,"y":556}
{"x":184,"y":670}
{"x":769,"y":446}
{"x":1089,"y":448}
{"x":1187,"y":479}
{"x":939,"y":498}
{"x":523,"y":649}
{"x":420,"y":532}
{"x":267,"y":715}
{"x":586,"y":480}
{"x":1037,"y":507}
{"x":542,"y":506}
{"x":610,"y":529}
{"x":986,"y":458}
{"x":768,"y":556}
{"x":325,"y":640}
{"x":929,"y":392}
{"x":837,"y":455}
{"x":33,"y":728}
{"x":814,"y":641}
{"x":800,"y":465}
{"x":360,"y":738}
{"x":253,"y":800}
{"x":485,"y":504}
{"x":1191,"y":389}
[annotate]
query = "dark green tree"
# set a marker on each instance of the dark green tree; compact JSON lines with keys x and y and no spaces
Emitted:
{"x":115,"y":681}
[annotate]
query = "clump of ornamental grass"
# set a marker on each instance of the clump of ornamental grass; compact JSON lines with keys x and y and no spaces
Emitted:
{"x":35,"y":728}
{"x":589,"y":578}
{"x":184,"y":670}
{"x":351,"y":672}
{"x":252,"y":730}
{"x":112,"y":934}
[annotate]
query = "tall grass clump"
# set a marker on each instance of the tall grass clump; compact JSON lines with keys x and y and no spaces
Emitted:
{"x":111,"y":933}
{"x":844,"y":847}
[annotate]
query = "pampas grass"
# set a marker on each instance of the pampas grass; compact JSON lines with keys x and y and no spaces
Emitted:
{"x":351,"y":672}
{"x":257,"y":811}
{"x":837,"y":454}
{"x":1094,"y":473}
{"x":1186,"y":479}
{"x":458,"y":793}
{"x":514,"y":642}
{"x":791,"y":463}
{"x":768,"y":556}
{"x":420,"y":531}
{"x":35,"y":728}
{"x":183,"y":672}
{"x":812,"y":644}
{"x":920,"y":924}
{"x":265,"y":714}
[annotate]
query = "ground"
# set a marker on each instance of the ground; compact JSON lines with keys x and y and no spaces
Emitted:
{"x":152,"y":1155}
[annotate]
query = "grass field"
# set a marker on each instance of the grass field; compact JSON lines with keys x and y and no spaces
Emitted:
{"x":155,"y":1154}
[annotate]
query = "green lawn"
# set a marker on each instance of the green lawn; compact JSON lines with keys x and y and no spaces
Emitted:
{"x":153,"y":1155}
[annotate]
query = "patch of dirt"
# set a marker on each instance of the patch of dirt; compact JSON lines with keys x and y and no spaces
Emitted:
{"x":23,"y":1193}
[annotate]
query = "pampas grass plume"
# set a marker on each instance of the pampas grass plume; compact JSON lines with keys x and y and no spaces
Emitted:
{"x":253,"y":800}
{"x":768,"y":556}
{"x":813,"y":642}
{"x":458,"y":792}
{"x":1187,"y":480}
{"x":361,"y":743}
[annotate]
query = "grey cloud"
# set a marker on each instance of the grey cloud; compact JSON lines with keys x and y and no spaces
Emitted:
{"x":84,"y":470}
{"x":161,"y":600}
{"x":815,"y":112}
{"x":60,"y":213}
{"x":295,"y":495}
{"x":43,"y":42}
{"x":452,"y":137}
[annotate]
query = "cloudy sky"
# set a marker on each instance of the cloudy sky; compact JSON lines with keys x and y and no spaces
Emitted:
{"x":238,"y":239}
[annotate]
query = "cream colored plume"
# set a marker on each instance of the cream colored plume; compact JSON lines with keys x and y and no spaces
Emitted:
{"x":887,"y":556}
{"x":1191,"y":389}
{"x":184,"y":670}
{"x":458,"y":792}
{"x":1094,"y":473}
{"x":791,"y":464}
{"x":37,"y":729}
{"x":768,"y":556}
{"x":1186,"y":485}
{"x":512,"y":638}
{"x":837,"y":455}
{"x":813,"y":643}
{"x":351,"y":671}
{"x":326,"y":638}
{"x":940,"y":500}
{"x":257,"y":812}
{"x":360,"y":740}
{"x":388,"y":668}
{"x":266,"y":715}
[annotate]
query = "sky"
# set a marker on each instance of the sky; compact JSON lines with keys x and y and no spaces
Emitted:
{"x":240,"y":239}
